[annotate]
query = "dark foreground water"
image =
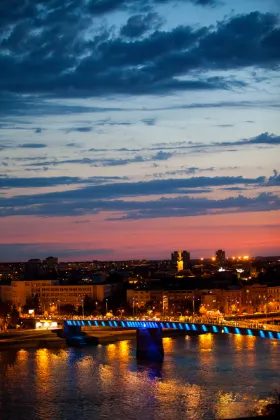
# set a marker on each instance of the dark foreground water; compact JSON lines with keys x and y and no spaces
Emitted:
{"x":202,"y":377}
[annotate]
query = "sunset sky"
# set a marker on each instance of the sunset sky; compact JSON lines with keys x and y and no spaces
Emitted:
{"x":131,"y":128}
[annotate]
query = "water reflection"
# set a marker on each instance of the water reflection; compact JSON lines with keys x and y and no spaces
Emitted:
{"x":168,"y":344}
{"x":208,"y":376}
{"x":9,"y":358}
{"x":154,"y":370}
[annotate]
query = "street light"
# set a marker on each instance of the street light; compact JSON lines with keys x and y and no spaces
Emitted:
{"x":193,"y":305}
{"x":83,"y":308}
{"x":133,"y":306}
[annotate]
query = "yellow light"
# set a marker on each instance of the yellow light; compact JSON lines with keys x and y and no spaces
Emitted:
{"x":233,"y":258}
{"x":213,"y":259}
{"x":246,"y":257}
{"x":201,"y":259}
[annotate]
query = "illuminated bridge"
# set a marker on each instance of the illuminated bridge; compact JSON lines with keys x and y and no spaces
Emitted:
{"x":149,"y":333}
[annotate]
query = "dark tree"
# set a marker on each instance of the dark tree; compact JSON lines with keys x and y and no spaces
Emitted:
{"x":89,"y":305}
{"x":67,"y":309}
{"x":5,"y":309}
{"x":14,"y":316}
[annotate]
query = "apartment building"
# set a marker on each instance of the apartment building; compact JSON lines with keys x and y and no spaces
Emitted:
{"x":155,"y":297}
{"x":21,"y":290}
{"x":5,"y":293}
{"x":51,"y":292}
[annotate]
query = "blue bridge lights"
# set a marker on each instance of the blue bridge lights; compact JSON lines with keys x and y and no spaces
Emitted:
{"x":195,"y":328}
{"x":262,"y":334}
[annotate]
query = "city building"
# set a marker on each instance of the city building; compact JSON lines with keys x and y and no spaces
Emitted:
{"x":174,"y":257}
{"x":51,"y":292}
{"x":66,"y":295}
{"x":23,"y":289}
{"x":186,"y":259}
{"x":5,"y":293}
{"x":33,"y":269}
{"x":255,"y":298}
{"x":220,"y":257}
{"x":173,"y":300}
{"x":177,"y":258}
{"x":273,"y":298}
{"x":51,"y":263}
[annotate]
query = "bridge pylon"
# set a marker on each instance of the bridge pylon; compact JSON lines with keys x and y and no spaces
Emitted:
{"x":149,"y":344}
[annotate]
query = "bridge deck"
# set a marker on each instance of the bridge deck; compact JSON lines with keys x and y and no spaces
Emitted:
{"x":183,"y":326}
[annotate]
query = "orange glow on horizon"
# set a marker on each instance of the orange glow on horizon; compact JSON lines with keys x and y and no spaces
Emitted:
{"x":241,"y":234}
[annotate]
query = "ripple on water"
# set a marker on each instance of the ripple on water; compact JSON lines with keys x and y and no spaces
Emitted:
{"x":202,"y":377}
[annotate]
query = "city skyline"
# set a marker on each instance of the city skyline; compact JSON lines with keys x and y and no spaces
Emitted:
{"x":134,"y":128}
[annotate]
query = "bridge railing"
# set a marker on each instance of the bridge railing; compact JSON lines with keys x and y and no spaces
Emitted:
{"x":128,"y":323}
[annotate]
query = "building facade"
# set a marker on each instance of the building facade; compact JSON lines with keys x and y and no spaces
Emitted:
{"x":6,"y":293}
{"x":220,"y":257}
{"x":50,"y":292}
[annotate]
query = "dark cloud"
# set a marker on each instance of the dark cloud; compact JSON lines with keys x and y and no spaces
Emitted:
{"x":33,"y":145}
{"x":186,"y":206}
{"x":161,"y":152}
{"x":13,"y":11}
{"x":106,"y":196}
{"x":264,"y":138}
{"x":73,"y":145}
{"x":23,"y":251}
{"x":160,"y":155}
{"x":38,"y":131}
{"x":101,"y":7}
{"x":41,"y":56}
{"x":138,"y":25}
{"x":80,"y":129}
{"x":274,"y":180}
{"x":149,"y":121}
{"x":7,"y":182}
{"x":234,"y":189}
{"x":182,"y":206}
{"x":19,"y":105}
{"x":184,"y":171}
{"x":43,"y":168}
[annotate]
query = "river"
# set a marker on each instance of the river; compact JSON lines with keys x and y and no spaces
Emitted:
{"x":221,"y":376}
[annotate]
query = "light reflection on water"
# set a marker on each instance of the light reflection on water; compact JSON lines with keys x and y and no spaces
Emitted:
{"x":205,"y":377}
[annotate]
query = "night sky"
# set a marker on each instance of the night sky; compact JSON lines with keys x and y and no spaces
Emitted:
{"x":130,"y":128}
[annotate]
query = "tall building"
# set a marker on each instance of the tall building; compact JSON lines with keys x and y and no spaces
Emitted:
{"x":177,"y":258}
{"x":220,"y":257}
{"x":51,"y":263}
{"x":174,"y":257}
{"x":33,"y":269}
{"x":186,"y":259}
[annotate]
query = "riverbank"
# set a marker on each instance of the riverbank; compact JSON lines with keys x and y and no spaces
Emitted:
{"x":31,"y":339}
{"x":54,"y":338}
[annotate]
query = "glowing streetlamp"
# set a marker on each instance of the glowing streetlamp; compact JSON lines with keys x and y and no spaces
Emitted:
{"x":106,"y":303}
